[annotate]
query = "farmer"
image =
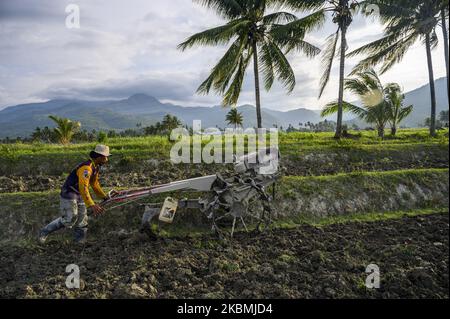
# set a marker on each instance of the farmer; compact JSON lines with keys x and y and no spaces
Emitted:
{"x":75,"y":197}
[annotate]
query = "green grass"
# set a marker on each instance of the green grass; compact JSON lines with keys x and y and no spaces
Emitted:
{"x":363,"y":218}
{"x":411,"y":148}
{"x":287,"y":258}
{"x":381,"y":174}
{"x":368,"y":181}
{"x":161,"y":144}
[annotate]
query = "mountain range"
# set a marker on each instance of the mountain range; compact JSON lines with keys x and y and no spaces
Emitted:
{"x":21,"y":120}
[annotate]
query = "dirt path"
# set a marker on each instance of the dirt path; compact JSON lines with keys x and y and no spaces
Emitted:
{"x":307,"y":262}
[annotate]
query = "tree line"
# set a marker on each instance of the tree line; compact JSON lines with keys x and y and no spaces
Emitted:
{"x":65,"y":134}
{"x":67,"y":130}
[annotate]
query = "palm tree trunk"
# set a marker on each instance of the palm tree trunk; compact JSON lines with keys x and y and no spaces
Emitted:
{"x":257,"y":94}
{"x":445,"y":33}
{"x":432,"y":88}
{"x":338,"y":133}
{"x":393,"y":130}
{"x":380,"y":130}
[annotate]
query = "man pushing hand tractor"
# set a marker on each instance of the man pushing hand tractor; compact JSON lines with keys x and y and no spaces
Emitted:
{"x":75,"y":199}
{"x":226,"y":201}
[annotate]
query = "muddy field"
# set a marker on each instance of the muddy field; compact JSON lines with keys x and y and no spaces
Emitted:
{"x":306,"y":262}
{"x":169,"y":173}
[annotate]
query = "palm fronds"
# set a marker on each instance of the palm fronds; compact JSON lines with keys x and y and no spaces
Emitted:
{"x":228,"y":9}
{"x":327,"y":60}
{"x":405,"y":22}
{"x":65,"y":128}
{"x":380,"y":104}
{"x":215,"y":36}
{"x":265,"y":38}
{"x":234,"y":117}
{"x":332,"y":108}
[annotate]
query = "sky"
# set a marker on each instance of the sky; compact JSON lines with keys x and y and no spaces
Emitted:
{"x":127,"y":47}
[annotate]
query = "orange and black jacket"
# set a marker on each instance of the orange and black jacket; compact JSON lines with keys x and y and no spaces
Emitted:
{"x":77,"y":183}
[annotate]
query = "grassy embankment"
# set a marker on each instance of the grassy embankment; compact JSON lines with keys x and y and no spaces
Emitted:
{"x":304,"y":154}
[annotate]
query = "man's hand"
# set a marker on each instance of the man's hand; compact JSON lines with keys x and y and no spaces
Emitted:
{"x":97,"y":209}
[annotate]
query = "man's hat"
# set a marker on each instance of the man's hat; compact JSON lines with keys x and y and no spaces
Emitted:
{"x":102,"y":150}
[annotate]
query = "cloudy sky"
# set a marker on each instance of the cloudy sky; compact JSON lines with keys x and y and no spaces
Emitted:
{"x":126,"y":47}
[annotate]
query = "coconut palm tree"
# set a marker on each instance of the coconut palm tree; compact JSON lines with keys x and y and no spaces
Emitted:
{"x":234,"y":117}
{"x":405,"y":22}
{"x":170,"y":122}
{"x":254,"y":35}
{"x":444,"y":15}
{"x":397,"y":112}
{"x":341,"y":12}
{"x":380,"y":104}
{"x":65,"y":128}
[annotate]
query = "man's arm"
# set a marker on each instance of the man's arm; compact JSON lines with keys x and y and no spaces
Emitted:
{"x":98,"y":189}
{"x":84,"y":174}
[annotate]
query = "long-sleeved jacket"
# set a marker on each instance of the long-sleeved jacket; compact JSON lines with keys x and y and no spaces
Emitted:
{"x":77,"y":183}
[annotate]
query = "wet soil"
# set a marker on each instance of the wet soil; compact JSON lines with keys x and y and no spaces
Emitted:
{"x":153,"y":175}
{"x":412,"y":254}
